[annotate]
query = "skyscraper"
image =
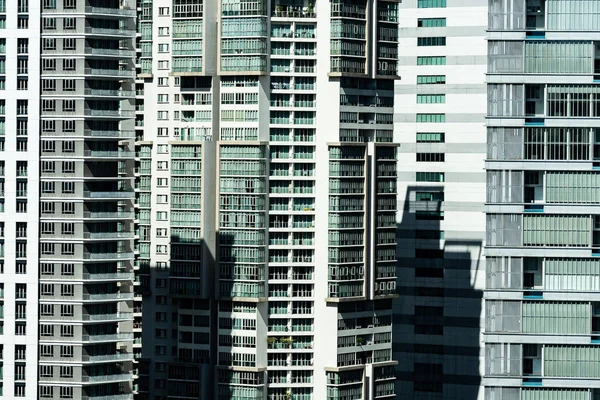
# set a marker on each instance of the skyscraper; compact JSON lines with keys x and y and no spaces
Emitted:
{"x":542,"y":309}
{"x":69,"y":131}
{"x":440,"y":126}
{"x":266,"y":199}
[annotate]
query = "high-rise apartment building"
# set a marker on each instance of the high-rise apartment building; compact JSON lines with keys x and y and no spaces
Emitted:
{"x":541,"y":300}
{"x":266,"y":199}
{"x":440,"y":126}
{"x":86,"y":200}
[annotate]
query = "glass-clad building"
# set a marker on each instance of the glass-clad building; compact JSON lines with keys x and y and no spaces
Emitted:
{"x":542,"y":300}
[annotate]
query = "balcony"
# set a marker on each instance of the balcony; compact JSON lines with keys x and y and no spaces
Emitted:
{"x":109,"y":134}
{"x":107,"y":296}
{"x":121,"y":276}
{"x":109,"y":113}
{"x":118,"y":73}
{"x":106,"y":317}
{"x":107,"y":256}
{"x":107,"y":338}
{"x":116,"y":357}
{"x":109,"y":195}
{"x":123,"y":53}
{"x":283,"y":11}
{"x":111,"y":397}
{"x":109,"y":215}
{"x":110,"y":32}
{"x":107,"y":378}
{"x":109,"y":93}
{"x":108,"y":154}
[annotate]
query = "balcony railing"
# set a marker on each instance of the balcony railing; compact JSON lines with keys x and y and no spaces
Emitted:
{"x":114,"y":194}
{"x":110,"y":52}
{"x":106,"y":317}
{"x":109,"y":154}
{"x":107,"y":31}
{"x":106,"y":378}
{"x":117,"y":214}
{"x":110,"y":72}
{"x":108,"y":256}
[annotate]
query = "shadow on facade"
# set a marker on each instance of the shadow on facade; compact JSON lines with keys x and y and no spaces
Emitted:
{"x":437,"y":317}
{"x":187,"y":319}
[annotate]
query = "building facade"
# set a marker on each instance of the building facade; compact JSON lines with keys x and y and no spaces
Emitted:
{"x":265,"y":199}
{"x":541,"y":297}
{"x":86,"y":198}
{"x":440,"y":126}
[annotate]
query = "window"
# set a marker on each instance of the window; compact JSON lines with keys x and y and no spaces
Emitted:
{"x":430,"y":137}
{"x":430,"y":177}
{"x":422,"y":215}
{"x":47,"y":310}
{"x":433,"y":118}
{"x":161,"y":249}
{"x":46,"y":350}
{"x":68,"y":146}
{"x":163,"y":81}
{"x":48,"y":187}
{"x":49,"y":5}
{"x":431,"y":41}
{"x":69,"y":4}
{"x":430,"y":157}
{"x":68,"y":85}
{"x":163,"y":11}
{"x":69,"y":23}
{"x":162,"y":132}
{"x":67,"y":249}
{"x":67,"y":228}
{"x":49,"y":44}
{"x":431,"y":79}
{"x":69,"y":64}
{"x":431,"y":3}
{"x":46,"y":330}
{"x":163,"y":64}
{"x":47,"y":269}
{"x":163,"y":31}
{"x":431,"y":60}
{"x":161,"y":232}
{"x":68,"y":208}
{"x":162,"y":198}
{"x":47,"y":207}
{"x":49,"y":105}
{"x":49,"y":24}
{"x":431,"y":98}
{"x":431,"y":22}
{"x":66,"y":372}
{"x":161,"y":216}
{"x":69,"y":44}
{"x":48,"y":127}
{"x":68,"y":126}
{"x":163,"y":115}
{"x":49,"y":64}
{"x":162,"y":181}
{"x":68,"y":106}
{"x":66,"y":310}
{"x":21,"y":267}
{"x":67,"y":269}
{"x":163,"y":98}
{"x":68,"y":167}
{"x":47,"y":248}
{"x":162,"y":149}
{"x":162,"y":165}
{"x":163,"y":48}
{"x":68,"y":187}
{"x":46,"y":371}
{"x":66,"y":330}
